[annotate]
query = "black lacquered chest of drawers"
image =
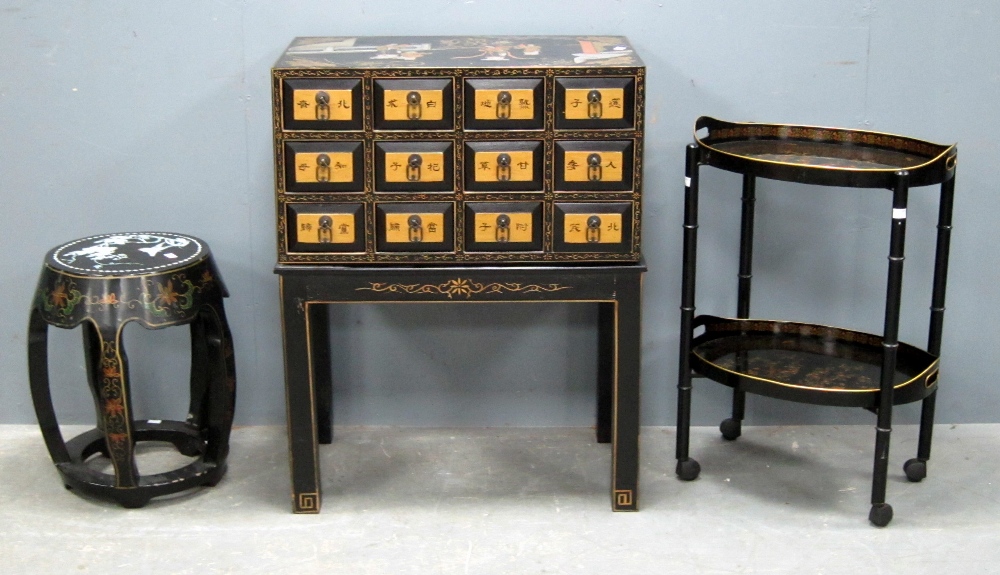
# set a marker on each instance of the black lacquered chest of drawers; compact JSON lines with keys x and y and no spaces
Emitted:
{"x":458,"y":150}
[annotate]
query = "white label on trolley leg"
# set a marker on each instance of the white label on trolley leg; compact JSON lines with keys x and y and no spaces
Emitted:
{"x":899,"y":213}
{"x":687,"y":182}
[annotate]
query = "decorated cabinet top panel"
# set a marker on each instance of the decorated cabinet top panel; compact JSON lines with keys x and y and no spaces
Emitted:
{"x":460,"y":52}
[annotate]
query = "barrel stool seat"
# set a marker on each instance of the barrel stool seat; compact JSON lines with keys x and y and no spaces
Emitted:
{"x":158,"y":280}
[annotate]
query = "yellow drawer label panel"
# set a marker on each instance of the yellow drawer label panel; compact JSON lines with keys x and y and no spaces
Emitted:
{"x":514,"y":105}
{"x":320,"y":167}
{"x":424,"y":228}
{"x":324,"y":228}
{"x":577,"y":229}
{"x":519,"y":167}
{"x":425,"y":105}
{"x":518,"y":229}
{"x":577,"y":167}
{"x":400,"y":168}
{"x":322,"y":105}
{"x":610,"y":105}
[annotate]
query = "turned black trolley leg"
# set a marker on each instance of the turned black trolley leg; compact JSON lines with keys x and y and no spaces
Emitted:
{"x":881,"y":512}
{"x":733,"y":427}
{"x":687,"y":468}
{"x":916,"y":469}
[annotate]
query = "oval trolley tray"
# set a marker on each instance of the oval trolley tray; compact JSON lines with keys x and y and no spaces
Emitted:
{"x":824,"y":156}
{"x":807,"y":363}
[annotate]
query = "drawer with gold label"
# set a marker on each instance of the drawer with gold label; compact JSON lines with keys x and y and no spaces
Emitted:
{"x":503,"y":166}
{"x":415,"y":226}
{"x":324,"y":166}
{"x":325,"y":227}
{"x":414,"y":104}
{"x":414,"y":166}
{"x":595,"y":103}
{"x":593,"y":227}
{"x":504,"y":104}
{"x":503,"y":226}
{"x":596,"y":165}
{"x":325,"y":104}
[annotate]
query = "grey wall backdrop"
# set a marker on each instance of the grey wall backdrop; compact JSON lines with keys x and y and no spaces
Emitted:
{"x":125,"y":115}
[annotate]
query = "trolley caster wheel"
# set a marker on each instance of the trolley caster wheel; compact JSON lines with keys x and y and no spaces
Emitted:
{"x":915,"y":470}
{"x":880,"y":515}
{"x":688,"y":469}
{"x":731,"y":429}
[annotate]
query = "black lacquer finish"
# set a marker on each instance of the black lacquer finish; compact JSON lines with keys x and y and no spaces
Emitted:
{"x":306,"y":291}
{"x":808,"y":363}
{"x":804,"y":362}
{"x":545,"y":119}
{"x":823,"y":156}
{"x":158,"y":280}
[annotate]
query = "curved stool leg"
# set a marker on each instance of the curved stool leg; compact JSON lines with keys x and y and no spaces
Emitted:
{"x":220,"y":367}
{"x":199,"y":379}
{"x":41,"y":396}
{"x":116,"y":408}
{"x":92,"y":359}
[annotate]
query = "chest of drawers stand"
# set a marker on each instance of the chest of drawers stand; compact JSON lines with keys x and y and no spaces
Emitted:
{"x":446,"y":169}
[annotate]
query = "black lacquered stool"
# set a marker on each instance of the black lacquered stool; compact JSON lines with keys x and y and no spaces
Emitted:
{"x":158,"y":280}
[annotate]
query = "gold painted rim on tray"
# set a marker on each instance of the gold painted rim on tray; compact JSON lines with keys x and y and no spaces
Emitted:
{"x":944,"y":150}
{"x":922,"y":376}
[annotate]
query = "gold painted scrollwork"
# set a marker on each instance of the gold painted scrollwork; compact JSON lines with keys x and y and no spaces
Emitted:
{"x":462,"y":287}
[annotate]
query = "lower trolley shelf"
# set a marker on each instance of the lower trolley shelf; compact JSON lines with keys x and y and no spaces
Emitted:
{"x":807,"y":363}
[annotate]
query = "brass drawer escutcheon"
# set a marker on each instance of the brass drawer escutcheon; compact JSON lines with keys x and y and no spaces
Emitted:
{"x":593,"y":229}
{"x":517,"y":104}
{"x":322,"y":105}
{"x":594,"y":104}
{"x":408,"y":228}
{"x":323,"y":167}
{"x":592,"y":166}
{"x":408,"y":167}
{"x":325,"y":229}
{"x":406,"y":105}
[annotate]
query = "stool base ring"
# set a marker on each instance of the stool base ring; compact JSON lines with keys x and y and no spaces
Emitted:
{"x":78,"y":476}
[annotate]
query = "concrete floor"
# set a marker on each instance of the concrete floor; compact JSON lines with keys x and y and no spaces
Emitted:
{"x":521,"y":501}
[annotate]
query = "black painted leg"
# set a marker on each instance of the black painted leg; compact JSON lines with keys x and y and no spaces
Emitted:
{"x":92,"y":361}
{"x":319,"y":327}
{"x":625,"y":438}
{"x":306,"y":494}
{"x":605,"y":370}
{"x":117,"y":410}
{"x":220,"y":369}
{"x":687,"y":468}
{"x":732,"y":428}
{"x":41,"y":395}
{"x":881,"y":512}
{"x":199,"y":376}
{"x":916,"y":469}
